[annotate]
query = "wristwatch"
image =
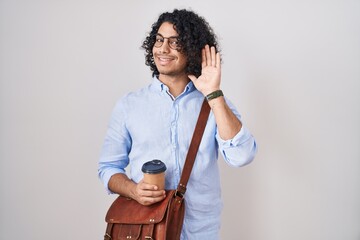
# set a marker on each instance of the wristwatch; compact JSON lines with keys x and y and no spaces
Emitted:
{"x":215,"y":94}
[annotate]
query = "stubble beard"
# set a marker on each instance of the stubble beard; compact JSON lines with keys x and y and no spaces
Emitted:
{"x":172,"y":73}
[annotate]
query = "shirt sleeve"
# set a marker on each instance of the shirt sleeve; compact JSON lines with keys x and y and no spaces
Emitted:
{"x":241,"y":149}
{"x":117,"y":144}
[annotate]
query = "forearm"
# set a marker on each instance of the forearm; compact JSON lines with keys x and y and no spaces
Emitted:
{"x":121,"y":184}
{"x":227,"y":123}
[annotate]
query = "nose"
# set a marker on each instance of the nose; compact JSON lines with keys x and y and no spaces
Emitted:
{"x":165,"y":46}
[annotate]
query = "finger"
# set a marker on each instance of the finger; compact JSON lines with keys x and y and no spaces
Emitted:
{"x":150,"y":200}
{"x":158,"y":194}
{"x":218,"y":60}
{"x":153,"y":194}
{"x":146,"y":186}
{"x":203,"y":58}
{"x":213,"y":56}
{"x":208,"y":55}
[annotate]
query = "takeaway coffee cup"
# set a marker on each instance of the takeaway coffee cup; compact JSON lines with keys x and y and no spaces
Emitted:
{"x":154,"y":173}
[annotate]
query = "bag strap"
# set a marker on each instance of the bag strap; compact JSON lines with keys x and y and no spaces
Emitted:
{"x":193,"y":148}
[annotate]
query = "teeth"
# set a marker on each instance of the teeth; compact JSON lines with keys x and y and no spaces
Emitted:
{"x":165,"y":60}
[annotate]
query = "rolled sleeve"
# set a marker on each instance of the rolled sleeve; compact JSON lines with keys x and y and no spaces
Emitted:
{"x":240,"y":150}
{"x":105,"y":176}
{"x":114,"y":155}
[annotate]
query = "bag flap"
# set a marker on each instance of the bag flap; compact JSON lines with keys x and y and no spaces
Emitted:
{"x":128,"y":211}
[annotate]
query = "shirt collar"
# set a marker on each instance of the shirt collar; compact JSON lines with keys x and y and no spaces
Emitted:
{"x":159,"y":86}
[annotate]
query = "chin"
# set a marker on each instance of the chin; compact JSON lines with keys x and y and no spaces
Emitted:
{"x":166,"y":72}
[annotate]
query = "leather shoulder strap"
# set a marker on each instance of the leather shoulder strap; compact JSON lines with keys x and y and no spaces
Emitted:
{"x":193,"y":148}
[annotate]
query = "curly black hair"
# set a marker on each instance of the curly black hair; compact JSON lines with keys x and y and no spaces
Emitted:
{"x":194,"y":33}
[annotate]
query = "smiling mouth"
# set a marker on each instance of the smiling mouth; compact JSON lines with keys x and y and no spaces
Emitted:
{"x":165,"y":60}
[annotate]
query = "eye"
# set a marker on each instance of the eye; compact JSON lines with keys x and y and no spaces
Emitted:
{"x":173,"y":41}
{"x":159,"y":39}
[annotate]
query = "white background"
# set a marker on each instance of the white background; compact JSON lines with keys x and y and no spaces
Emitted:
{"x":292,"y":68}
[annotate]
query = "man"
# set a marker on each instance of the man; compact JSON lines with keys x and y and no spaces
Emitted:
{"x":157,"y":122}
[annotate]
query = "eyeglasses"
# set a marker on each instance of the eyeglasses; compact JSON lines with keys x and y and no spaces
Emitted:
{"x":173,"y":42}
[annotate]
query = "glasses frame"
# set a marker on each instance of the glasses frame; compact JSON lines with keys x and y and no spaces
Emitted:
{"x":169,"y":40}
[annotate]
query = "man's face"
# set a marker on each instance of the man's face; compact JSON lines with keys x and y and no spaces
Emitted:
{"x":169,"y":61}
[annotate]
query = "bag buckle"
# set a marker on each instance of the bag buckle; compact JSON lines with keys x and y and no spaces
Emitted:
{"x":180,"y":191}
{"x":179,"y":194}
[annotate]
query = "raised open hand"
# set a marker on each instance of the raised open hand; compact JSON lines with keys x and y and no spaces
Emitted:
{"x":209,"y":80}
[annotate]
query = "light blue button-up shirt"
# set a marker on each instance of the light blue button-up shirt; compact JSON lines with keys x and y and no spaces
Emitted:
{"x":151,"y":124}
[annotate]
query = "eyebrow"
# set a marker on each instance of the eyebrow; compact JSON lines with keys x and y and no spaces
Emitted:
{"x":158,"y":34}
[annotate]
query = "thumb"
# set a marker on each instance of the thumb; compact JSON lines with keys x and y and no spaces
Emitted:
{"x":192,"y":77}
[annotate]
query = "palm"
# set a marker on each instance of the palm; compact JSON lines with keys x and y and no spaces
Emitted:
{"x":209,"y":80}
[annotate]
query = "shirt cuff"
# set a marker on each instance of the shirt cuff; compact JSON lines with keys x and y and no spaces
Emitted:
{"x":242,"y":136}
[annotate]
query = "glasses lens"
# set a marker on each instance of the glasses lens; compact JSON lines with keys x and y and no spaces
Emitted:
{"x":173,"y":42}
{"x":158,"y":41}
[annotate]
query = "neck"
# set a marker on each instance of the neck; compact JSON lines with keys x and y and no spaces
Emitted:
{"x":176,"y":84}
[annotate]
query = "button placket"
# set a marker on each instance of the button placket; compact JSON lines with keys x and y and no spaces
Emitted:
{"x":174,"y":140}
